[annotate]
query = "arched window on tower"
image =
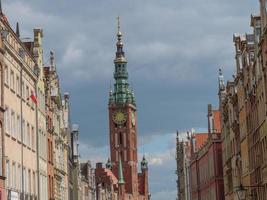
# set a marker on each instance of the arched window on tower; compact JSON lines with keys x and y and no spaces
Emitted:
{"x":121,"y":139}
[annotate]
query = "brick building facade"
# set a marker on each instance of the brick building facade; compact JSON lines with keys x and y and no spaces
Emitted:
{"x":206,"y":174}
{"x":243,"y":106}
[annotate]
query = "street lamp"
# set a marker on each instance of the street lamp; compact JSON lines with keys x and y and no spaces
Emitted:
{"x":241,"y":192}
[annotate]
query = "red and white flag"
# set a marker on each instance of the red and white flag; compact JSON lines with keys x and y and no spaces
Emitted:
{"x":33,"y":98}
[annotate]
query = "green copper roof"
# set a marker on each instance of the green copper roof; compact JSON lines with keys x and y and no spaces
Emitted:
{"x":121,"y":94}
{"x":121,"y":179}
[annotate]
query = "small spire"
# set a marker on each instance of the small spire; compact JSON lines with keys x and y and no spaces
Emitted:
{"x":109,"y":164}
{"x":52,"y":60}
{"x":17,"y":29}
{"x":144,"y":163}
{"x":221,"y":80}
{"x":121,"y":179}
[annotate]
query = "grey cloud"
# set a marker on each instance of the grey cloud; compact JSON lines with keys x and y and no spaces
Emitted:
{"x":174,"y":49}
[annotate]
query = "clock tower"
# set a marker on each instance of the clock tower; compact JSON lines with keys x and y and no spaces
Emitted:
{"x":122,"y":123}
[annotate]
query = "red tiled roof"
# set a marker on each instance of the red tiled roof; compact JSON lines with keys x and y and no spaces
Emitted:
{"x":217,"y":120}
{"x":112,"y":176}
{"x":200,"y":139}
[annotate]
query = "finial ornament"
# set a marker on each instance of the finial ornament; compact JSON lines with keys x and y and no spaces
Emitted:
{"x":118,"y":23}
{"x":221,"y":80}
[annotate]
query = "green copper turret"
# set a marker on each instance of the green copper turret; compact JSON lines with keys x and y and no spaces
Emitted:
{"x":120,"y":172}
{"x":121,"y":93}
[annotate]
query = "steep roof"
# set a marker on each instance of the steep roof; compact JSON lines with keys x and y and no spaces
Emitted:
{"x":217,"y":120}
{"x":200,"y":139}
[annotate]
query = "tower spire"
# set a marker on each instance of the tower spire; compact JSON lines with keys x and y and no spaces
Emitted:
{"x":119,"y":54}
{"x":121,"y":93}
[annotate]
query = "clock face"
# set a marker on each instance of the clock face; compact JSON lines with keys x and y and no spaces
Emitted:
{"x":119,"y":117}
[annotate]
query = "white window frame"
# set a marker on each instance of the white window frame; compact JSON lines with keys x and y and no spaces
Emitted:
{"x":18,"y":85}
{"x":23,"y":131}
{"x":14,"y":174}
{"x":7,"y":120}
{"x":28,"y":135}
{"x":12,"y":80}
{"x":18,"y":126}
{"x":25,"y":179}
{"x":34,"y":183}
{"x":12,"y":123}
{"x":8,"y":173}
{"x":29,"y":181}
{"x":33,"y":138}
{"x":27,"y":93}
{"x":23,"y":90}
{"x":19,"y":178}
{"x":6,"y":72}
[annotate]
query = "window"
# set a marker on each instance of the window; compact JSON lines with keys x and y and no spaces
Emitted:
{"x":7,"y":173}
{"x":23,"y":131}
{"x":33,"y":186}
{"x":7,"y":120}
{"x":14,"y":171}
{"x":121,"y":139}
{"x":23,"y":90}
{"x":28,"y":135}
{"x":33,"y":138}
{"x":29,"y":181}
{"x":18,"y":128}
{"x":19,"y":178}
{"x":12,"y":123}
{"x":27,"y":93}
{"x":17,"y":85}
{"x":12,"y":80}
{"x":6,"y":76}
{"x":24,"y":180}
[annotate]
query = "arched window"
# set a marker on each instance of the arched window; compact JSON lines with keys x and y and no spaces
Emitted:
{"x":120,"y":139}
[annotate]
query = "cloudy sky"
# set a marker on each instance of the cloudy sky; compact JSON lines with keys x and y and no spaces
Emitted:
{"x":174,"y":49}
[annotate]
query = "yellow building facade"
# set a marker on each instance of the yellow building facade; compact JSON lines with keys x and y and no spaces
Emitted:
{"x":20,"y":117}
